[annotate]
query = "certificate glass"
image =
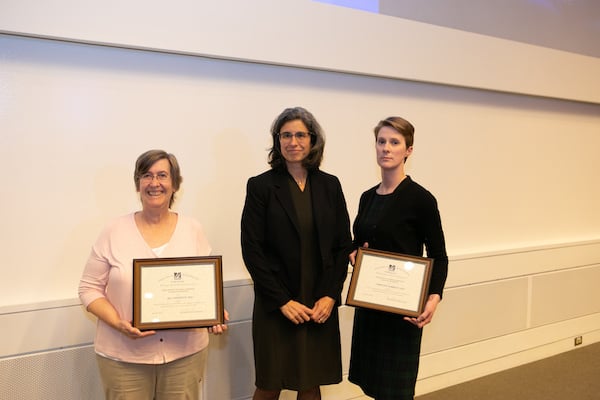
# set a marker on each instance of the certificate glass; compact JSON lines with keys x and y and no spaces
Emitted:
{"x":183,"y":292}
{"x":390,"y":282}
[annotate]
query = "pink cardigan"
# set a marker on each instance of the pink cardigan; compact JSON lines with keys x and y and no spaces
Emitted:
{"x":109,"y":273}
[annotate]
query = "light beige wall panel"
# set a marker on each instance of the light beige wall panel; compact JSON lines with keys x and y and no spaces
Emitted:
{"x":44,"y":329}
{"x":346,"y":322}
{"x":519,"y":342}
{"x":476,"y":313}
{"x":230,"y":372}
{"x":564,"y":295}
{"x":491,"y":266}
{"x":239,"y":299}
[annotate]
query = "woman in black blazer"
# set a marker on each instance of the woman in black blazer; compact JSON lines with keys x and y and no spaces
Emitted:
{"x":401,"y":216}
{"x":295,"y":244}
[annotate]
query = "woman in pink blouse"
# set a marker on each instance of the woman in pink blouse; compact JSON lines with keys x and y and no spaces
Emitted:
{"x":162,"y":364}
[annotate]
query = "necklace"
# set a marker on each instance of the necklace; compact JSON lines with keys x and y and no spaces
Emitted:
{"x":300,"y":177}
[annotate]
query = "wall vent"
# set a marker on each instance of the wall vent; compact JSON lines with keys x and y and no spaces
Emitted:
{"x":65,"y":374}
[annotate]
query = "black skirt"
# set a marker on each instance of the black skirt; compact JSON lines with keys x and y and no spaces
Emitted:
{"x":295,"y":357}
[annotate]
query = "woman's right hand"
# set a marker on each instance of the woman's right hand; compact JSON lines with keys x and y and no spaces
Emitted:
{"x":296,"y":312}
{"x":352,"y":256}
{"x":105,"y":311}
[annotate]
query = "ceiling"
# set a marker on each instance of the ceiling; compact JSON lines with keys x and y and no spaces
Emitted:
{"x":569,"y":25}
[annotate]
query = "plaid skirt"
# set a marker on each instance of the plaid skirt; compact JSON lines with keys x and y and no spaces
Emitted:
{"x":384,"y":360}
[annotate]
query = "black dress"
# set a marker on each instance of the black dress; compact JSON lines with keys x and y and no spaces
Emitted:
{"x":385,"y":351}
{"x":298,"y":357}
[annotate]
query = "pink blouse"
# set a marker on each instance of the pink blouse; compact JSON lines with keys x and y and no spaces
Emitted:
{"x":109,"y":273}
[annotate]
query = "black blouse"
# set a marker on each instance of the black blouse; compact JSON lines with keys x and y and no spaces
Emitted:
{"x":406,"y":221}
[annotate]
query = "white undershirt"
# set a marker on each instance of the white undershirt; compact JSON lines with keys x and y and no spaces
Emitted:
{"x":159,"y":250}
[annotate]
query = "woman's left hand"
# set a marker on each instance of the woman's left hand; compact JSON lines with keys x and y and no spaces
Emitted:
{"x":427,"y":315}
{"x":322,"y":309}
{"x":221,"y":328}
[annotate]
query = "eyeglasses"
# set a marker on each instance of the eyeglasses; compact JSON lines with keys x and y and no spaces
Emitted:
{"x":287,"y":136}
{"x":148,"y":177}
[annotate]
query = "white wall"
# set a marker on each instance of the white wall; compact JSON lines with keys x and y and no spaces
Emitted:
{"x":508,"y":170}
{"x":513,"y":173}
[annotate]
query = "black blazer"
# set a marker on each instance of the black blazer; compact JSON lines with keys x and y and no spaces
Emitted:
{"x":271,"y":239}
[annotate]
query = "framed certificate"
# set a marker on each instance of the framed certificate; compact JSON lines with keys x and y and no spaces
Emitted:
{"x":391,"y":282}
{"x":183,"y":292}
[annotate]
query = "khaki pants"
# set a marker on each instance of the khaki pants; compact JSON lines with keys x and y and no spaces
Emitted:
{"x":177,"y":380}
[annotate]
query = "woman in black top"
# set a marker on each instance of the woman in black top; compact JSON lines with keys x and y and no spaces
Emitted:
{"x":401,"y":216}
{"x":295,"y":243}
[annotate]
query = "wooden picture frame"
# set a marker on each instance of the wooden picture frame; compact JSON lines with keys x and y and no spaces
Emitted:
{"x":390,"y":282}
{"x":179,"y":292}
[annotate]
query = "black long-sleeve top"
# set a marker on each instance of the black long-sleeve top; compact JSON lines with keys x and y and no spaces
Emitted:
{"x":406,"y":221}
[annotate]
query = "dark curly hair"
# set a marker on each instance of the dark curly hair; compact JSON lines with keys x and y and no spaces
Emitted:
{"x":317,"y":140}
